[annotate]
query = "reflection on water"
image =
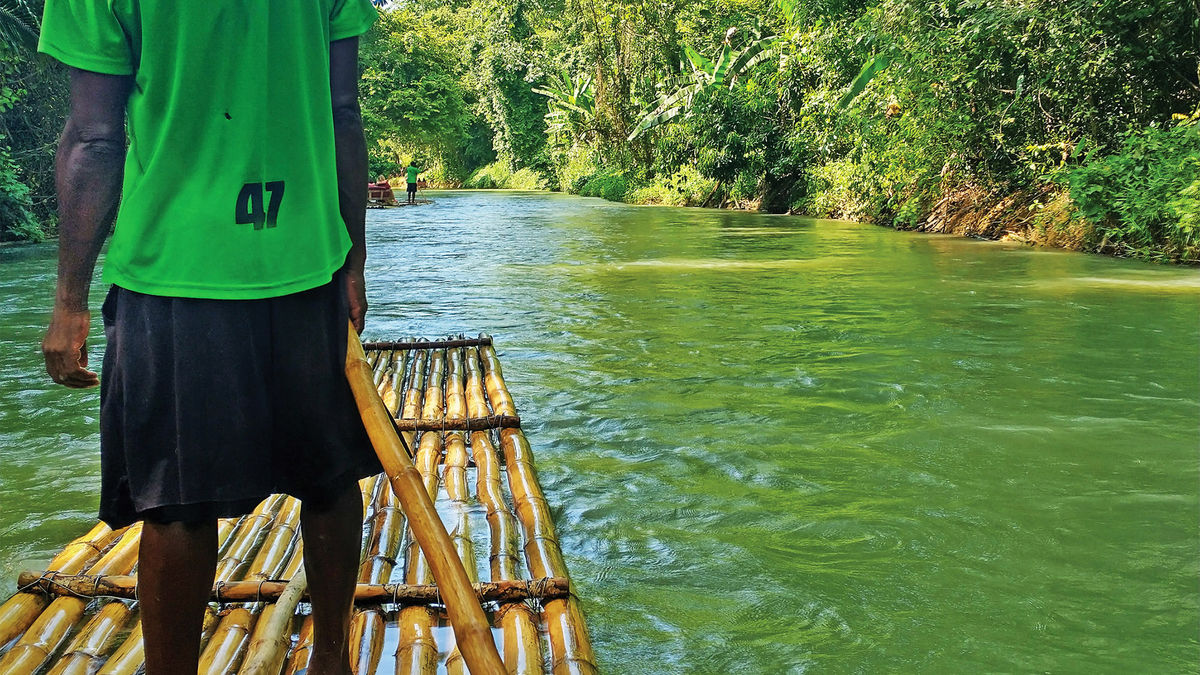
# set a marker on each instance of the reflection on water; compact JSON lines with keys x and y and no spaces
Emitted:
{"x":777,"y":444}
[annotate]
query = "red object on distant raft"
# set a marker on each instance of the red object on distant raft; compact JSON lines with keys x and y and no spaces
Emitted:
{"x":380,"y":192}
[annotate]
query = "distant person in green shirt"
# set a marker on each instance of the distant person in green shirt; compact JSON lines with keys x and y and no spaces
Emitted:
{"x":413,"y":172}
{"x":237,"y":212}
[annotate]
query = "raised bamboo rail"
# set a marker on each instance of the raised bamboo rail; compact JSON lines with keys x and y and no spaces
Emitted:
{"x":464,"y":424}
{"x":429,"y":344}
{"x":450,"y":402}
{"x":124,"y":587}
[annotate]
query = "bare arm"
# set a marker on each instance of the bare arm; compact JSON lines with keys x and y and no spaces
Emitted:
{"x":88,"y":172}
{"x":351,"y":148}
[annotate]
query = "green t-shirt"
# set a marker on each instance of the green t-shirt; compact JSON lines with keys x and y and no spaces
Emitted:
{"x":230,"y":179}
{"x":412,"y":173}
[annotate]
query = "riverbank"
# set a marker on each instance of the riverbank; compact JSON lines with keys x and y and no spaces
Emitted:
{"x":1040,"y":216}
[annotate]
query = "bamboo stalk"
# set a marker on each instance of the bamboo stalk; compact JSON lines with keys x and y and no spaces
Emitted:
{"x":298,"y":656}
{"x":367,"y":626}
{"x":297,"y":661}
{"x":454,"y":477}
{"x":249,"y":538}
{"x":48,"y":631}
{"x":570,"y":646}
{"x":129,"y":657}
{"x":272,"y":637}
{"x":87,"y":650}
{"x":456,"y":399}
{"x":380,"y":362}
{"x":19,"y":611}
{"x":232,"y":636}
{"x":417,"y":649}
{"x":471,"y":627}
{"x":392,"y":387}
{"x":272,"y":634}
{"x":225,"y":646}
{"x":279,"y":542}
{"x":251,"y":532}
{"x":518,"y":622}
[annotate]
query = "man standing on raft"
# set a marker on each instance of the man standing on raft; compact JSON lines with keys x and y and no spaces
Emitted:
{"x":413,"y":173}
{"x":236,"y":258}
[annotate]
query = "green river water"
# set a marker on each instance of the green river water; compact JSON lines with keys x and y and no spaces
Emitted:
{"x":775,"y":444}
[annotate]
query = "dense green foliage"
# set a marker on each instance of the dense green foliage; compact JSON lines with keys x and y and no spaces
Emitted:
{"x":1146,"y":197}
{"x":868,"y":109}
{"x":33,"y":103}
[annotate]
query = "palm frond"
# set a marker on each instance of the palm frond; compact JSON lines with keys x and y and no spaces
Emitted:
{"x":18,"y":25}
{"x":877,"y":64}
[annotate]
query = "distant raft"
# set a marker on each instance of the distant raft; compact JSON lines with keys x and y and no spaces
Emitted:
{"x":454,"y":410}
{"x":398,"y":204}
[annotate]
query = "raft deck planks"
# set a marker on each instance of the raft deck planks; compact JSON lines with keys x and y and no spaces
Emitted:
{"x":454,"y":411}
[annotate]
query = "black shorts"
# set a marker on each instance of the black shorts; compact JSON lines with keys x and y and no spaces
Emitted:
{"x":412,"y":188}
{"x":208,"y":406}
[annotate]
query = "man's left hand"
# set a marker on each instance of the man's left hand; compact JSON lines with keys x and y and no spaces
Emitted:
{"x":356,"y":292}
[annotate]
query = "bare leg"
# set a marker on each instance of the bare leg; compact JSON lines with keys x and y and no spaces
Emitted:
{"x":332,"y":536}
{"x":176,"y":564}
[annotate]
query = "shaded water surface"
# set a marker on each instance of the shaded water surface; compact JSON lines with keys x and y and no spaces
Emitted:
{"x":776,"y":444}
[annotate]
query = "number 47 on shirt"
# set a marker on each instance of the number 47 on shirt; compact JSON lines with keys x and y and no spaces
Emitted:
{"x":249,"y":208}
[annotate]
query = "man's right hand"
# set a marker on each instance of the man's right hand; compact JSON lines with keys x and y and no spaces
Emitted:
{"x":65,"y":349}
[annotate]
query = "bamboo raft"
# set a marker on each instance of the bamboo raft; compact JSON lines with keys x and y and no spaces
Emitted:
{"x":450,"y":404}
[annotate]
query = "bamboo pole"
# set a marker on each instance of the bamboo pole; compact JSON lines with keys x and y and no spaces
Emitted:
{"x":415,"y":392}
{"x":272,"y":631}
{"x":272,"y":635}
{"x":129,"y":657}
{"x":87,"y":650}
{"x":417,"y":649}
{"x":48,"y":631}
{"x":367,"y":626}
{"x":471,"y":627}
{"x":19,"y":611}
{"x":518,"y":623}
{"x":299,"y":654}
{"x":392,"y":387}
{"x":281,"y":539}
{"x":570,"y":645}
{"x":380,"y":362}
{"x":251,"y":532}
{"x":249,"y":538}
{"x":297,"y":661}
{"x":225,"y":646}
{"x":454,"y":477}
{"x":232,"y":636}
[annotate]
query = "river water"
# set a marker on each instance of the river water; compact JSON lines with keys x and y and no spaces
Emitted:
{"x":778,"y":444}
